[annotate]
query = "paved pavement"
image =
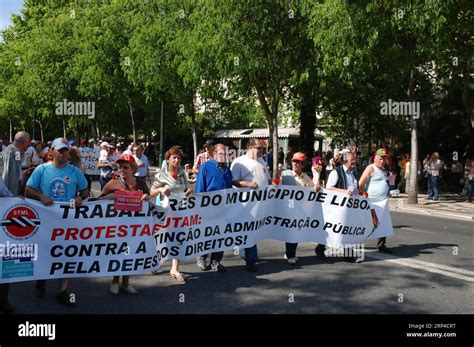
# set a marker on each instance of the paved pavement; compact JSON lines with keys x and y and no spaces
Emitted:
{"x":449,"y":205}
{"x":430,"y":271}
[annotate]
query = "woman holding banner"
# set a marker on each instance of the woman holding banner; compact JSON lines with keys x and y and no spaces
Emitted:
{"x":126,"y":180}
{"x":172,"y":179}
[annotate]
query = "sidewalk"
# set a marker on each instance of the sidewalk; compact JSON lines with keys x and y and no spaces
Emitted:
{"x":449,"y":205}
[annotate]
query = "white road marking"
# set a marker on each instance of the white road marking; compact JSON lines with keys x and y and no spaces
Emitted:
{"x":427,"y":266}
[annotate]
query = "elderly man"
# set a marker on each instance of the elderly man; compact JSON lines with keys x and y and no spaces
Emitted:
{"x":295,"y":177}
{"x":343,"y":179}
{"x":205,"y":156}
{"x":11,"y":162}
{"x":250,"y":171}
{"x":57,"y":181}
{"x":142,"y":163}
{"x":214,"y":175}
{"x":12,"y":157}
{"x":374,"y":181}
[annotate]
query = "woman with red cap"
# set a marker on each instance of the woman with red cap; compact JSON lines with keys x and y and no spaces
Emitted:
{"x":125,"y":180}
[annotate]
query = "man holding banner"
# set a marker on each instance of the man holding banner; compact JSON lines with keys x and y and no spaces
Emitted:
{"x":295,"y":177}
{"x":57,"y":181}
{"x":343,"y":179}
{"x":214,"y":175}
{"x":249,"y":171}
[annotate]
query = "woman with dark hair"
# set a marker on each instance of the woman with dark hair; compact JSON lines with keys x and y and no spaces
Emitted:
{"x":169,"y":180}
{"x":125,"y":180}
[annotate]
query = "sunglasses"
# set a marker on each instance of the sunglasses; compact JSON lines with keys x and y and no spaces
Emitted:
{"x":297,"y":161}
{"x":125,"y":167}
{"x":220,"y":153}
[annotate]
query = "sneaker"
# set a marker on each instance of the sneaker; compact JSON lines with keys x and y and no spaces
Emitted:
{"x":115,"y":288}
{"x":203,"y":266}
{"x":40,"y":288}
{"x":216,"y":266}
{"x":64,"y":298}
{"x":293,"y":261}
{"x":251,"y":268}
{"x":129,"y":289}
{"x":354,"y":259}
{"x":7,"y":308}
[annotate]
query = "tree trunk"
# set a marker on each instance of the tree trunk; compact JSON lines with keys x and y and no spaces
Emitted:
{"x":307,"y":121}
{"x":272,"y":122}
{"x":275,"y":104}
{"x":64,"y":127}
{"x":413,"y":186}
{"x":134,"y":130}
{"x":11,"y":130}
{"x":193,"y":124}
{"x":466,"y":94}
{"x":40,"y":123}
{"x":96,"y":127}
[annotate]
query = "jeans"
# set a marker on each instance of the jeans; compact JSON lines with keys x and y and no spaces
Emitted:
{"x":291,"y":250}
{"x":433,"y":184}
{"x":470,"y":190}
{"x":251,"y":255}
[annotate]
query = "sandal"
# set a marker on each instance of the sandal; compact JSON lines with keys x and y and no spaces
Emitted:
{"x":178,"y":276}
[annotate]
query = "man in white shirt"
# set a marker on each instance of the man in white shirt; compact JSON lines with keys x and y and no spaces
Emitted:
{"x":343,"y":180}
{"x":142,"y":162}
{"x":434,"y":172}
{"x":249,"y":171}
{"x":346,"y":183}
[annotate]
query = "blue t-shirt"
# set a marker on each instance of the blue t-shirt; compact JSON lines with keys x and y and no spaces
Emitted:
{"x":210,"y":177}
{"x":58,"y":184}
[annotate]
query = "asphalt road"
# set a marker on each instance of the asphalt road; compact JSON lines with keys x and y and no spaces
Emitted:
{"x":429,"y":272}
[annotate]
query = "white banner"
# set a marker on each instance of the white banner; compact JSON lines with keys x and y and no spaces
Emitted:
{"x":231,"y":219}
{"x":60,"y":241}
{"x":90,"y":160}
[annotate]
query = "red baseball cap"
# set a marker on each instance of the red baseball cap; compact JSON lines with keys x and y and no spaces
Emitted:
{"x":299,"y":156}
{"x":127,"y":158}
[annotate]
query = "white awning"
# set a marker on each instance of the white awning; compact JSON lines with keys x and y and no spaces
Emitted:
{"x":261,"y":133}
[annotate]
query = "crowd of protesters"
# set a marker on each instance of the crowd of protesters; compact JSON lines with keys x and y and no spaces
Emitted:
{"x":53,"y":172}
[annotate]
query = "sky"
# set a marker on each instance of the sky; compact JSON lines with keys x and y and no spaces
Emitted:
{"x":7,"y":8}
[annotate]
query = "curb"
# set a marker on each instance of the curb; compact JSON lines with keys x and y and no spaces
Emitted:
{"x":433,"y":213}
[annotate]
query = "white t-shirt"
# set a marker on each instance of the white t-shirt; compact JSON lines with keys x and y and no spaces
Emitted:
{"x":143,"y":170}
{"x":250,"y":170}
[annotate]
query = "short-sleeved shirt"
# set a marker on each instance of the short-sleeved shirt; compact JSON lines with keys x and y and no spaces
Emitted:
{"x":350,"y":178}
{"x":142,"y":170}
{"x":250,"y":170}
{"x":290,"y":178}
{"x":211,"y":177}
{"x":60,"y":184}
